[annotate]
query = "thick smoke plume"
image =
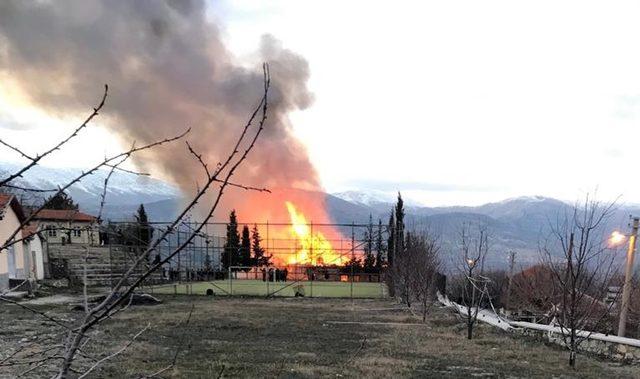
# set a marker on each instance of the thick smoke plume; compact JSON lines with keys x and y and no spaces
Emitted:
{"x":168,"y":69}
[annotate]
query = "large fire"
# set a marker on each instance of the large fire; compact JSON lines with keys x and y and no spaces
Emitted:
{"x":296,"y":227}
{"x":312,"y":248}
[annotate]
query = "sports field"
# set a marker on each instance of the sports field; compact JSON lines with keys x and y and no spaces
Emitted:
{"x":285,"y":289}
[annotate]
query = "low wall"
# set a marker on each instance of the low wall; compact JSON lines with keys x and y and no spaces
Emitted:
{"x":613,"y":347}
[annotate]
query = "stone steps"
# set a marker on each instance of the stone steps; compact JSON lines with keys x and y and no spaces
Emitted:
{"x":103,"y":264}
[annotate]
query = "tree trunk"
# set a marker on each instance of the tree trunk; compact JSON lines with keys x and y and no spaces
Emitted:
{"x":572,"y":359}
{"x":469,"y":330}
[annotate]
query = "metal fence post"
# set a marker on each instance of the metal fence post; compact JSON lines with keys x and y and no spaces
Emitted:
{"x":353,"y":246}
{"x":312,"y":264}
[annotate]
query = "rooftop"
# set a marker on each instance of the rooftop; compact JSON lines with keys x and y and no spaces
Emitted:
{"x":63,"y":215}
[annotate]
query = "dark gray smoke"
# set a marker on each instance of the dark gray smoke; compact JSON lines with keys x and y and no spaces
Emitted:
{"x":167,"y":69}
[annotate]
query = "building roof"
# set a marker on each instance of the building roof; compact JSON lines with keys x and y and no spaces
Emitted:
{"x":63,"y":215}
{"x":8,"y":199}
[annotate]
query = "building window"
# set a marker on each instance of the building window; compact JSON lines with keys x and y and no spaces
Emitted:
{"x":51,"y":231}
{"x":77,"y":232}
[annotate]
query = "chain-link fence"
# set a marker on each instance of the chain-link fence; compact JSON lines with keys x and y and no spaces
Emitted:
{"x":282,"y":259}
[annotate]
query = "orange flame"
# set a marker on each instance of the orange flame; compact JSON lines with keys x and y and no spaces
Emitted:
{"x":314,"y":248}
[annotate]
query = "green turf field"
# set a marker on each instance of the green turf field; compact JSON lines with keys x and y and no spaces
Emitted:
{"x":260,"y":288}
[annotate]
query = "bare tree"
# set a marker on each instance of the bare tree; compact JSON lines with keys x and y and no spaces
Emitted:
{"x":581,"y":267}
{"x":77,"y":333}
{"x":474,"y":250}
{"x":512,"y":264}
{"x":421,"y":264}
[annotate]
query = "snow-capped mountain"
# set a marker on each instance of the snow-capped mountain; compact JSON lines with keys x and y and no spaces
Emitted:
{"x":366,"y":198}
{"x":124,"y":193}
{"x":374,"y":198}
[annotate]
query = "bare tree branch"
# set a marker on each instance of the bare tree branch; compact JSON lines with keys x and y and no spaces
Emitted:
{"x":36,"y":159}
{"x":111,"y":356}
{"x":16,"y":150}
{"x":10,"y":241}
{"x":10,"y":301}
{"x":111,"y":301}
{"x":178,"y":349}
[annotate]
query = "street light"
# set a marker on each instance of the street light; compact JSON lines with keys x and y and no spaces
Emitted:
{"x":626,"y":290}
{"x":616,"y":238}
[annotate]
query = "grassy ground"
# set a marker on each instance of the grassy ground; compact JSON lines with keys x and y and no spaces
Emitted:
{"x":300,"y":338}
{"x":260,"y":288}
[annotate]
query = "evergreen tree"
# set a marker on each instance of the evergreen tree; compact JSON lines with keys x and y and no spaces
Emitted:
{"x":144,"y":230}
{"x":391,"y":239}
{"x":395,"y":247}
{"x":369,"y":258}
{"x":260,"y":257}
{"x":380,"y":248}
{"x":230,"y":254}
{"x":245,"y":247}
{"x":399,"y":228}
{"x":354,"y":263}
{"x":61,"y":201}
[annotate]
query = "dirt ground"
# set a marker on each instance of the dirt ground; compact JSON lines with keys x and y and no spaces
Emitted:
{"x":300,"y":338}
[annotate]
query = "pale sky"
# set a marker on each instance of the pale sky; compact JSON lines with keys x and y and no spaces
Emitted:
{"x":452,"y":102}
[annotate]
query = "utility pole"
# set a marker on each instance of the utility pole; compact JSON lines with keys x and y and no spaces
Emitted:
{"x":626,"y":291}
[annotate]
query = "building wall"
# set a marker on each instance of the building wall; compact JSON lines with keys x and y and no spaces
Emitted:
{"x":78,"y":231}
{"x":38,"y":253}
{"x":8,"y":225}
{"x":33,"y":252}
{"x":27,"y":262}
{"x":4,"y":271}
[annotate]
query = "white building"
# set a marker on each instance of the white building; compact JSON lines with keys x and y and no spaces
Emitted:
{"x":66,"y":226}
{"x":33,"y":247}
{"x":12,"y":258}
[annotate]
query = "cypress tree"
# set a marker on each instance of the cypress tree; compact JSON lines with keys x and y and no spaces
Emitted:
{"x":380,"y":248}
{"x":245,"y":247}
{"x":391,"y":245}
{"x":145,"y":231}
{"x":399,"y":227}
{"x":260,"y":258}
{"x":230,"y":254}
{"x":395,"y":246}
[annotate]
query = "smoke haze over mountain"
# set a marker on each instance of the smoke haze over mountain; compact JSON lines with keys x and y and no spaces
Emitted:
{"x":168,"y":69}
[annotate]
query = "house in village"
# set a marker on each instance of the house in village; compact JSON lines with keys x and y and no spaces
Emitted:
{"x":23,"y":259}
{"x":66,"y":226}
{"x":33,"y":245}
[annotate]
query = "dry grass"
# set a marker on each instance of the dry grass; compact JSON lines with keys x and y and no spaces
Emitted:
{"x":292,"y":338}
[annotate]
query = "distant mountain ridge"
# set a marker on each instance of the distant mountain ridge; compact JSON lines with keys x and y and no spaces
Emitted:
{"x":519,"y":224}
{"x":522,"y":224}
